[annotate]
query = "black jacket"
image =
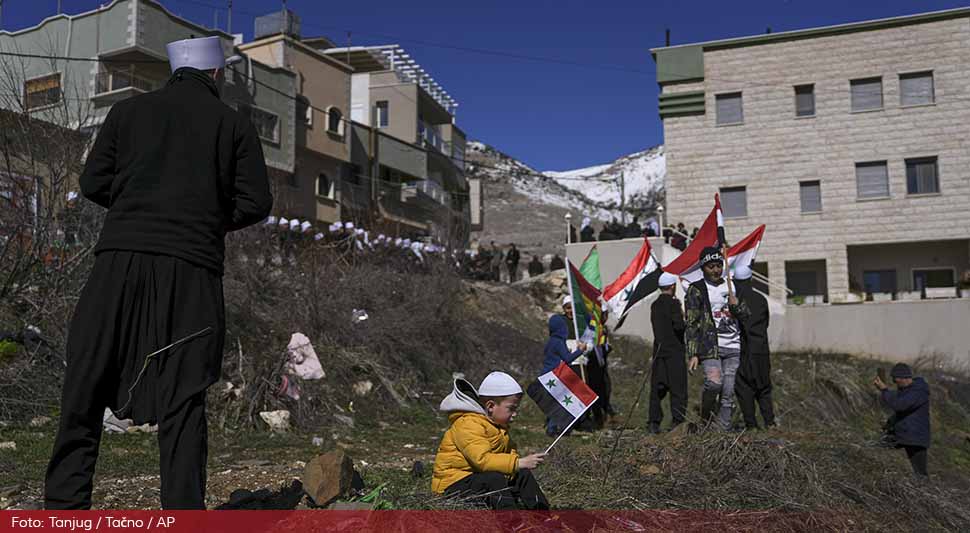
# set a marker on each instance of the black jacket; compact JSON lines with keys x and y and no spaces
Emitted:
{"x":557,"y":263}
{"x":911,"y":406}
{"x":177,"y":169}
{"x":535,"y":268}
{"x":754,"y":330}
{"x":512,"y":257}
{"x":667,"y":319}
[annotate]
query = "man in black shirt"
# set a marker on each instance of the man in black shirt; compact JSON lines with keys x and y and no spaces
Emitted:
{"x":668,"y":371}
{"x":754,"y":375}
{"x":176,"y":169}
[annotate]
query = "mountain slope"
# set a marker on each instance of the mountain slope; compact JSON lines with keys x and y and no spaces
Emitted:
{"x":527,"y":207}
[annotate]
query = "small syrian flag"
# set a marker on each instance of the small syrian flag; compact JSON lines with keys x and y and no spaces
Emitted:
{"x":562,"y":396}
{"x":638,"y":281}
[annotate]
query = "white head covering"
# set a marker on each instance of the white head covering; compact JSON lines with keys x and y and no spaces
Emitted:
{"x":567,"y":300}
{"x":406,"y":242}
{"x":305,"y":226}
{"x":499,"y":384}
{"x":71,"y":196}
{"x":204,"y":53}
{"x":295,"y":225}
{"x":397,"y":241}
{"x":349,"y":225}
{"x":359,"y":231}
{"x":284,"y":222}
{"x":667,"y":279}
{"x":381,"y":237}
{"x":585,"y":223}
{"x":270,"y":220}
{"x":335,"y":227}
{"x":318,"y":236}
{"x":742,"y":272}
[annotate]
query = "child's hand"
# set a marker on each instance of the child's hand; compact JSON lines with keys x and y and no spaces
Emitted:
{"x":531,"y":461}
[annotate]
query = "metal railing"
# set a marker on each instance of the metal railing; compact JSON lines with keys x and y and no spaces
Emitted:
{"x":115,"y":80}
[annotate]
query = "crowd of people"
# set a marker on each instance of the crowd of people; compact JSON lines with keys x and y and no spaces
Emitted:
{"x":496,"y":263}
{"x":674,"y":235}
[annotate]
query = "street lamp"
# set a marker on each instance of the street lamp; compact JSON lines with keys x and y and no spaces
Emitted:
{"x":568,"y":227}
{"x":660,"y":214}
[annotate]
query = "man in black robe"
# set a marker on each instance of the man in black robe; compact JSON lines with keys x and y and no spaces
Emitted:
{"x":668,"y":372}
{"x":754,"y":375}
{"x":177,"y":169}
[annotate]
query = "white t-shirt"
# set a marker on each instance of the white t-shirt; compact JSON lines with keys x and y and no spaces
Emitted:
{"x":728,"y":329}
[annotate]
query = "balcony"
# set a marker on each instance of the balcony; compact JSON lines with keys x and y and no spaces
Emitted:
{"x":114,"y":85}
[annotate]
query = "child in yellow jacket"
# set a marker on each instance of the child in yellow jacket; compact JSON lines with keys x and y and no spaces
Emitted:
{"x":476,"y":455}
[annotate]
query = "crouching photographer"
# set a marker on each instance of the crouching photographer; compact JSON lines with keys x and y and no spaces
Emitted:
{"x":910,"y":422}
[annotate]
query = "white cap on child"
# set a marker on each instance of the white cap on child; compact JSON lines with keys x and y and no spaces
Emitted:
{"x":499,"y":384}
{"x":567,"y":301}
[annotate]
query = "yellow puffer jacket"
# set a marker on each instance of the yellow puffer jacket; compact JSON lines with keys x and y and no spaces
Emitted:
{"x":472,"y":444}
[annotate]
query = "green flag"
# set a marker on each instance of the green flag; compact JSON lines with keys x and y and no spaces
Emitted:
{"x":590,"y":269}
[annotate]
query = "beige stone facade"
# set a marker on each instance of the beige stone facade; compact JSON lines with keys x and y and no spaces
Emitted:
{"x":772,"y":150}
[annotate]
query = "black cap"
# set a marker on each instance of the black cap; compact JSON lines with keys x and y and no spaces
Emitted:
{"x":901,"y":370}
{"x":710,"y":254}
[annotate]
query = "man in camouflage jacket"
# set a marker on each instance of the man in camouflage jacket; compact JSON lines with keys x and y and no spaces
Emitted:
{"x":713,"y":337}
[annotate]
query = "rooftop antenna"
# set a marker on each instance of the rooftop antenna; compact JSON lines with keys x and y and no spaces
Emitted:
{"x":668,"y":37}
{"x":58,"y":7}
{"x":768,"y":30}
{"x":229,"y":22}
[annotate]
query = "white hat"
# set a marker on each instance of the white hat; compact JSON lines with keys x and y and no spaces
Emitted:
{"x":360,"y":231}
{"x":284,"y":222}
{"x":71,"y":196}
{"x":381,"y":237}
{"x":204,"y":53}
{"x":349,"y":225}
{"x":294,"y":224}
{"x":318,"y":236}
{"x":567,"y":300}
{"x":397,"y":241}
{"x":742,"y":272}
{"x":270,"y":220}
{"x":406,"y":242}
{"x":667,"y":279}
{"x":499,"y":384}
{"x":305,"y":226}
{"x":335,"y":227}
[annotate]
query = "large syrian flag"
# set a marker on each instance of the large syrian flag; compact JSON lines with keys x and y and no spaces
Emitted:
{"x":711,"y":233}
{"x":562,"y":396}
{"x":638,"y":281}
{"x":743,"y":252}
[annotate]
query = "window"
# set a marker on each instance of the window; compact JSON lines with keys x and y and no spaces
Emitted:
{"x":921,"y":176}
{"x":811,"y":196}
{"x":383,"y":116}
{"x":872,"y":180}
{"x":324,"y":186}
{"x":42,"y":91}
{"x":879,"y":281}
{"x":729,"y":109}
{"x":734,"y":202}
{"x":304,"y":109}
{"x":292,"y":180}
{"x":805,"y":100}
{"x":931,"y":278}
{"x":916,"y":88}
{"x":866,"y":94}
{"x":335,"y":122}
{"x":267,"y":124}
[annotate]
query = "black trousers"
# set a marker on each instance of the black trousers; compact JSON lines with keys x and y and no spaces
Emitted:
{"x":500,"y":493}
{"x":917,"y":457}
{"x":132,"y":305}
{"x":668,"y":375}
{"x":598,"y":379}
{"x":753,"y":384}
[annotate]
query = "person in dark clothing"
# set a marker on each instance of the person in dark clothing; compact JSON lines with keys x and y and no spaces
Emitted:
{"x":910,"y":422}
{"x":177,"y":169}
{"x":586,"y":233}
{"x":535,"y":267}
{"x":557,"y":263}
{"x":572,"y":233}
{"x":598,"y":376}
{"x":753,"y":382}
{"x":512,"y":262}
{"x":668,"y":372}
{"x":555,"y":350}
{"x":633,"y":229}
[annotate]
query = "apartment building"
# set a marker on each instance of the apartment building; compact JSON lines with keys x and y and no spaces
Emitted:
{"x":322,"y":132}
{"x":848,"y":141}
{"x":406,"y":143}
{"x":117,"y":51}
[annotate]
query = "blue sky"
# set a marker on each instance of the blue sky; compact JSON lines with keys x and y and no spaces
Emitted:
{"x":593,"y":100}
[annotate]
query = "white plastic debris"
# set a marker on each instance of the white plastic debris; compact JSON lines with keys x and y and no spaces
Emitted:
{"x":359,"y":315}
{"x":303,"y":362}
{"x":276,"y":420}
{"x":113,"y":424}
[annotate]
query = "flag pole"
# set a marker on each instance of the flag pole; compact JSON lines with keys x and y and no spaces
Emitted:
{"x":571,"y":424}
{"x":569,"y":283}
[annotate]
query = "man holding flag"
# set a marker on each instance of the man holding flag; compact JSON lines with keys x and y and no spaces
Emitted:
{"x":713,"y":335}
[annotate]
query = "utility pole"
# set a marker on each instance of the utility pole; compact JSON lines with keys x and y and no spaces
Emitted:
{"x":623,"y":197}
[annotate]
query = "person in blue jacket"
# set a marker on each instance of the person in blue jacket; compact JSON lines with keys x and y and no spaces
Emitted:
{"x":556,"y":351}
{"x":910,"y":423}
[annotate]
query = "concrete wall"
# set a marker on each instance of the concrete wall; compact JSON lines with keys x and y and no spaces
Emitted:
{"x":893,"y":331}
{"x":773,"y":150}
